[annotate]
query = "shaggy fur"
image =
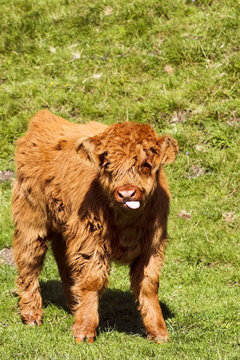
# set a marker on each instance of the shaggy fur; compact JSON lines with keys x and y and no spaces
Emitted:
{"x":97,"y":193}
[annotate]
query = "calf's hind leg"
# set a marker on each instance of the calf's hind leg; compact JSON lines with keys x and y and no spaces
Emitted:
{"x":59,"y":250}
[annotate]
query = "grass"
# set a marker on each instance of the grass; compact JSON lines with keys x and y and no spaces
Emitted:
{"x":175,"y":65}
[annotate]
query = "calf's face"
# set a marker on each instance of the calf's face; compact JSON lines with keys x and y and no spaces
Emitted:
{"x":128,"y":157}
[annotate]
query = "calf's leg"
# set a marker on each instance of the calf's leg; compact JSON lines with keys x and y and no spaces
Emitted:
{"x":90,"y":277}
{"x":145,"y":282}
{"x":29,"y":245}
{"x":29,"y":249}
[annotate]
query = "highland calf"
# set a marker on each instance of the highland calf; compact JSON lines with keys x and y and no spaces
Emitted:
{"x":97,"y":193}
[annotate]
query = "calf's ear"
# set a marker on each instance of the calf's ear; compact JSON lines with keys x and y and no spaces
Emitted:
{"x":86,"y":149}
{"x":168,"y":149}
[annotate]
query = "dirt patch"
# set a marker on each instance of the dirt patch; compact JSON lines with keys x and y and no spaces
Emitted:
{"x":6,"y":257}
{"x":6,"y":175}
{"x":195,"y":171}
{"x":184,"y":215}
{"x":229,"y":217}
{"x":235,"y":121}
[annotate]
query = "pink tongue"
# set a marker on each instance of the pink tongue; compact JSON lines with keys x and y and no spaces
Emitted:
{"x":133,"y":204}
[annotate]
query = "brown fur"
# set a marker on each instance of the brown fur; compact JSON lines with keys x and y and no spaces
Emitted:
{"x":72,"y":188}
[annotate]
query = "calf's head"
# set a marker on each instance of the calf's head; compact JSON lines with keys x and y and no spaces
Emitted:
{"x":128,"y":157}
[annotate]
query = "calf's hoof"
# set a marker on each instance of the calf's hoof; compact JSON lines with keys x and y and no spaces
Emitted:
{"x":159,"y":338}
{"x":31,"y":317}
{"x":81,"y":334}
{"x":80,"y":339}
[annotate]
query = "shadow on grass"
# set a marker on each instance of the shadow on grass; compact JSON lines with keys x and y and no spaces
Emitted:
{"x":52,"y":293}
{"x":117,"y":309}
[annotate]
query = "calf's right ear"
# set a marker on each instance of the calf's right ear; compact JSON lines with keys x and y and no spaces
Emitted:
{"x":86,"y":149}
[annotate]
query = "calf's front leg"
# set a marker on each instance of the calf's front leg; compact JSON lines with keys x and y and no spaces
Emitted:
{"x":90,"y":277}
{"x":145,"y":281}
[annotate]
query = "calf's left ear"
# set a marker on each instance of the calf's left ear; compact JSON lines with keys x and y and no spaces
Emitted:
{"x":168,"y":149}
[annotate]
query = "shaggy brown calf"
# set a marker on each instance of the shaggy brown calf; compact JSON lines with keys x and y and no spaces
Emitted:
{"x":98,"y":193}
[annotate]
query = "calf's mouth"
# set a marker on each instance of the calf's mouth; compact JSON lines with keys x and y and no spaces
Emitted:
{"x":131,"y":204}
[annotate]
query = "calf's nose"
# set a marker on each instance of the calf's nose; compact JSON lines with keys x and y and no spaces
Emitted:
{"x":126,"y":193}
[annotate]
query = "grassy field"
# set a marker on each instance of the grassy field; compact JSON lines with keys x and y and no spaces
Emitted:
{"x":175,"y":65}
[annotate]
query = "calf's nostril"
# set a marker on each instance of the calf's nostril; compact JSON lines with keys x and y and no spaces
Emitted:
{"x":133,"y":193}
{"x":120,"y":195}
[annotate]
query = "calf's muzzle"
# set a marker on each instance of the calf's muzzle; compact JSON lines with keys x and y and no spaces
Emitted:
{"x":129,"y":195}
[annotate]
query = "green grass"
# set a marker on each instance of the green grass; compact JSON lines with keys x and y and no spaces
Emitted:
{"x":175,"y":65}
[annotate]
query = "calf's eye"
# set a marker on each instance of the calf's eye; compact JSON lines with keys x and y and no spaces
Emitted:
{"x":103,"y":160}
{"x":146,"y":168}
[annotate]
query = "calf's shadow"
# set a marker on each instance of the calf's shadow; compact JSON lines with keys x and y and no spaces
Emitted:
{"x":117,"y":309}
